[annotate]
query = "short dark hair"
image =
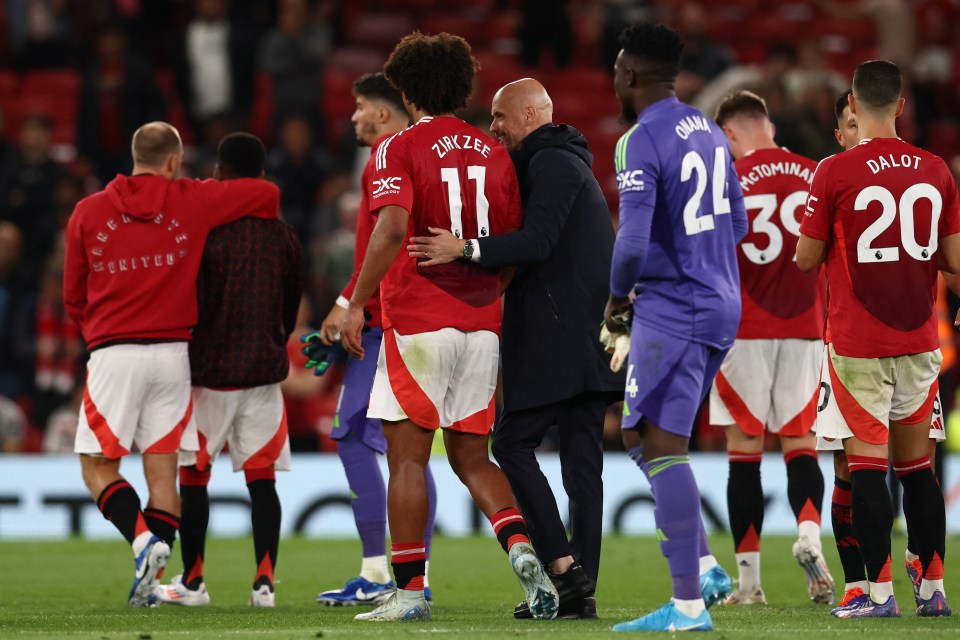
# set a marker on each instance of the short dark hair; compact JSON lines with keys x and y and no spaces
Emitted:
{"x":842,"y":103}
{"x":741,"y":103}
{"x":434,"y":72}
{"x":241,"y":155}
{"x":877,"y":83}
{"x":655,"y":45}
{"x":374,"y":86}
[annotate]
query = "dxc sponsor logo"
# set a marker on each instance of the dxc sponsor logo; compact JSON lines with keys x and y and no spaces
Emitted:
{"x":630,"y":180}
{"x":386,"y":185}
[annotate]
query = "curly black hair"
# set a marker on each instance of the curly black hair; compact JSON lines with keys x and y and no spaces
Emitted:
{"x":435,"y":73}
{"x":241,"y":155}
{"x":654,"y":44}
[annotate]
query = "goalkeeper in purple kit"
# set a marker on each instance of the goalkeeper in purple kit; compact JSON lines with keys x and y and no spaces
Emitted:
{"x":681,"y":216}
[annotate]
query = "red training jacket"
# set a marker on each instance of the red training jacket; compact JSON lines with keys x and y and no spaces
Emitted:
{"x":133,"y":252}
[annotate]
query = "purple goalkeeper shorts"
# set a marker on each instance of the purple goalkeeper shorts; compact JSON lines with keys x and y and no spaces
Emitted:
{"x":667,"y":379}
{"x":355,"y":396}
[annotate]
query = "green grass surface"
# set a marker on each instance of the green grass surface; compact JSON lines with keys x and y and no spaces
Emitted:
{"x":78,"y":589}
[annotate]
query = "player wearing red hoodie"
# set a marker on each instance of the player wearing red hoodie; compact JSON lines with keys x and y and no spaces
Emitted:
{"x":132,"y":256}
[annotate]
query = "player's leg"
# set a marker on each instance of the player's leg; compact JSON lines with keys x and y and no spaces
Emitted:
{"x":428,"y":530}
{"x":805,"y":493}
{"x":668,"y":399}
{"x":841,"y":519}
{"x":912,"y":564}
{"x":745,"y":505}
{"x":408,"y":452}
{"x":359,"y":441}
{"x":923,"y":505}
{"x":491,"y":492}
{"x":265,"y":514}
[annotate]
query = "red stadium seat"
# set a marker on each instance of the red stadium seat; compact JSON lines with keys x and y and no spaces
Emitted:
{"x":470,"y":29}
{"x":63,"y":85}
{"x":261,"y":114}
{"x":380,"y":29}
{"x":176,"y":113}
{"x":9,"y":87}
{"x":357,"y":59}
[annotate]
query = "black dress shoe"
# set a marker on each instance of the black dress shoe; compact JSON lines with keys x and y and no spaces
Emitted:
{"x":576,"y":592}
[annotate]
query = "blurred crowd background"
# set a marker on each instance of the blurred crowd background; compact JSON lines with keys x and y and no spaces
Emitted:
{"x":77,"y":77}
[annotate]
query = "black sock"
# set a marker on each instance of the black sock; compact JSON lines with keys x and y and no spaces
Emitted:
{"x":195,"y":508}
{"x":925,"y":509}
{"x":745,"y":502}
{"x":120,"y":504}
{"x":804,"y":484}
{"x":265,"y":516}
{"x":164,"y":525}
{"x":848,"y":548}
{"x":872,"y":517}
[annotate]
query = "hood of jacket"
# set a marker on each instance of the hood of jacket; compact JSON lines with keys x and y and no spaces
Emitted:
{"x":141,"y":196}
{"x":555,"y":136}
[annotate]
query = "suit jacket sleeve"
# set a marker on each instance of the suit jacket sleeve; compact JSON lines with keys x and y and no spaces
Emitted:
{"x":554,"y":181}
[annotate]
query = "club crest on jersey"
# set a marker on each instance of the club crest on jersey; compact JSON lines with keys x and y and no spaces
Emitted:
{"x":628,"y":180}
{"x":386,"y":186}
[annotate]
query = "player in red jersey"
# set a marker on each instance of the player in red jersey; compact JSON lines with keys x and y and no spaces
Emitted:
{"x":132,"y":256}
{"x":379,"y":115}
{"x":769,"y":382}
{"x":437,"y":366}
{"x":884,"y":216}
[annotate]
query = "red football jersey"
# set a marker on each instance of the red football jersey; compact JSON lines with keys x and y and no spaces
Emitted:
{"x":447,"y":174}
{"x":779,"y":300}
{"x":366,"y":220}
{"x":882,"y":207}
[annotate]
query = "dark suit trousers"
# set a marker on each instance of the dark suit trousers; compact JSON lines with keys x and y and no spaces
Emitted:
{"x":580,"y":425}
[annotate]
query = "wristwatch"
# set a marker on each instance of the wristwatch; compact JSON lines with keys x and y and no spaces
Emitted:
{"x":468,"y":249}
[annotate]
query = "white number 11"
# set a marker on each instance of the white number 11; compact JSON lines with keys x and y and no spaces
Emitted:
{"x":451,"y":177}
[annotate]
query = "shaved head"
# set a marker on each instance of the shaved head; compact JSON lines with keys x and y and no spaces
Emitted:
{"x":154,"y":143}
{"x":518,"y":109}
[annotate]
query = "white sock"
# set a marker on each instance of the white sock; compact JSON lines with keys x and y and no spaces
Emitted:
{"x":691,"y":608}
{"x":426,"y":574}
{"x":910,"y":556}
{"x":810,"y":529}
{"x":375,"y":569}
{"x":140,"y":542}
{"x":927,"y":587}
{"x":881,"y":591}
{"x":859,"y":584}
{"x":707,"y":562}
{"x":748,"y":566}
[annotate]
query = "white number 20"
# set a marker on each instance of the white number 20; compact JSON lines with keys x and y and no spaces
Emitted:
{"x":867,"y":253}
{"x":693,"y":163}
{"x":451,"y":177}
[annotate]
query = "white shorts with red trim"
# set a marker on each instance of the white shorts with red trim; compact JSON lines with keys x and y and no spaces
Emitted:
{"x":444,"y":378}
{"x":253,"y":421}
{"x":861,"y":396}
{"x":137,"y":395}
{"x":768,"y":384}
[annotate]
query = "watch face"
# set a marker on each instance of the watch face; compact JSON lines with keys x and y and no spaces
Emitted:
{"x":468,"y":250}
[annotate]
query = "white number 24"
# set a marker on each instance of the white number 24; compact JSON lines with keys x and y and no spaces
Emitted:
{"x":693,"y":163}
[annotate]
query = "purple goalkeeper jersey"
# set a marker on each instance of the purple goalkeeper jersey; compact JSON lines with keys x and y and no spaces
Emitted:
{"x":681,"y":217}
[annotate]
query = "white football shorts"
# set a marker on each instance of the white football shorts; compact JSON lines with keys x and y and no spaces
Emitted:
{"x":860,"y":396}
{"x":136,"y":396}
{"x":438,"y":379}
{"x":768,"y":384}
{"x":252,"y":421}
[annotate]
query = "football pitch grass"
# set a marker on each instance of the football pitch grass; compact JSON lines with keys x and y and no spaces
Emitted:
{"x":78,"y":589}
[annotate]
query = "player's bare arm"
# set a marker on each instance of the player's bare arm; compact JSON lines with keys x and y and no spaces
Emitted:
{"x":948,"y":254}
{"x":810,"y":253}
{"x":440,"y":248}
{"x":385,"y":242}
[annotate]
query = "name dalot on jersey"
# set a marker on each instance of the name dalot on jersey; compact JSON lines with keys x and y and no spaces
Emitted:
{"x":630,"y":180}
{"x":386,"y":186}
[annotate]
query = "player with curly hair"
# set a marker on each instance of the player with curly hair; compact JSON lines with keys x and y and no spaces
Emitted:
{"x":437,"y":366}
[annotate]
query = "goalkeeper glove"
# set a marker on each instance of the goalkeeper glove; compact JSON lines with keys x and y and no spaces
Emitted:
{"x":319,"y":355}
